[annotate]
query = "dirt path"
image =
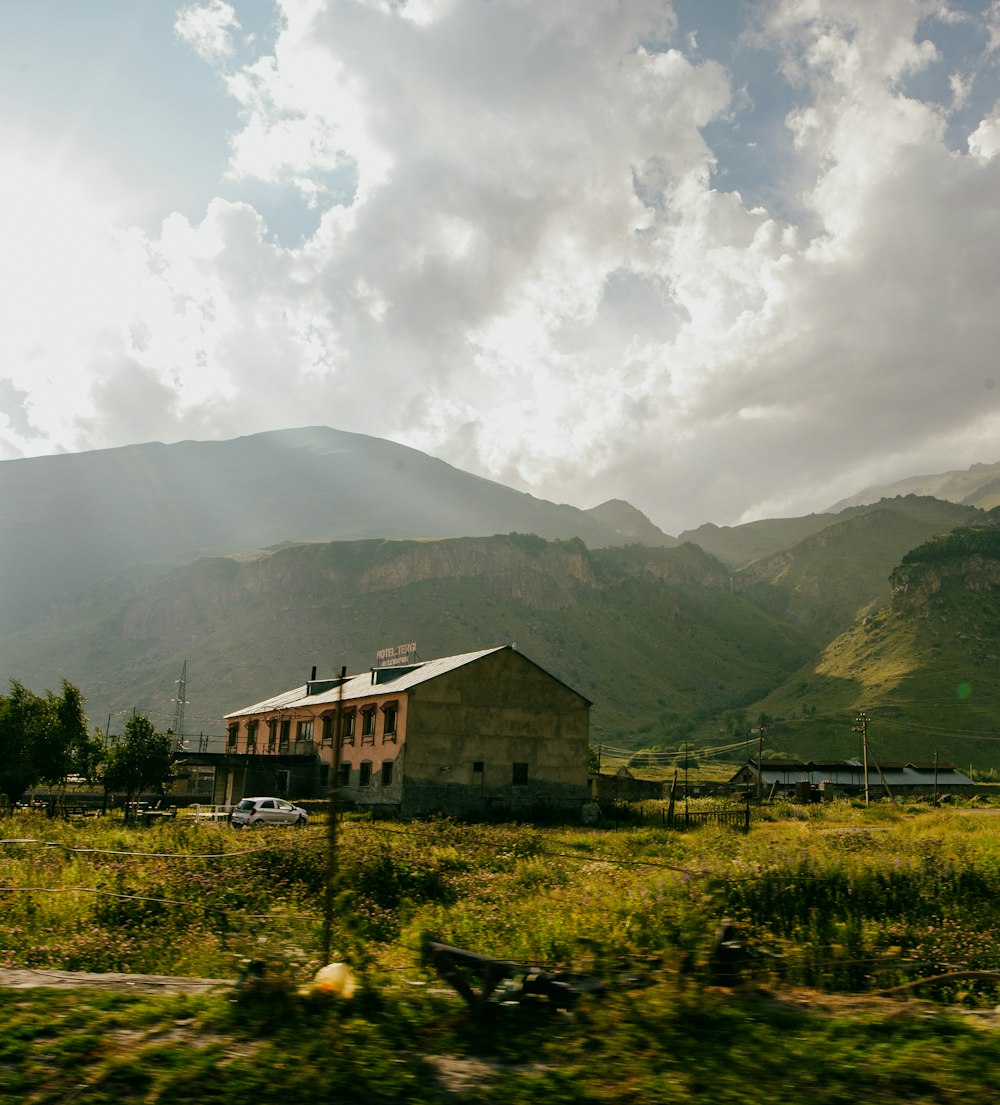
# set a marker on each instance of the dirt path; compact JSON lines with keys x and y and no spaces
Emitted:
{"x":16,"y":979}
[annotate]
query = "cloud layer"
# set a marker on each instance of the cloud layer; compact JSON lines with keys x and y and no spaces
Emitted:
{"x":522,"y":253}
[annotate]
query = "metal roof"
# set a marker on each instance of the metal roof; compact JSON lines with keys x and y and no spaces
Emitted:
{"x":365,"y":686}
{"x":851,"y":772}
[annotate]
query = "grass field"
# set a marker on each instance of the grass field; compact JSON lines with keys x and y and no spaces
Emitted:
{"x":831,"y":906}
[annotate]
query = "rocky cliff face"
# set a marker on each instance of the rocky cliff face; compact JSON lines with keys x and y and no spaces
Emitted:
{"x":914,"y":585}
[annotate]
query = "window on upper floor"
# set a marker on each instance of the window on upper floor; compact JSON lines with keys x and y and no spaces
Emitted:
{"x":304,"y":730}
{"x":390,"y":714}
{"x":232,"y":735}
{"x":284,"y":734}
{"x":347,"y":725}
{"x":368,"y":724}
{"x":328,"y":720}
{"x":272,"y":734}
{"x":252,"y":736}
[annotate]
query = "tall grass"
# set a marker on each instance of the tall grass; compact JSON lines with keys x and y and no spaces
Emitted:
{"x":839,"y":898}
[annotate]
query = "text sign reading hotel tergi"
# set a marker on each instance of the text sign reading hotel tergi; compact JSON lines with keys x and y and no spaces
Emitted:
{"x":398,"y":654}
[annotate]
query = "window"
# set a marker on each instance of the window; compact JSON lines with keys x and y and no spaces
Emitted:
{"x":390,"y":711}
{"x":345,"y":775}
{"x":386,"y":779}
{"x":324,"y":776}
{"x":327,"y":737}
{"x":281,"y":778}
{"x":272,"y":734}
{"x":368,"y":724}
{"x":284,"y":732}
{"x":347,"y":726}
{"x":365,"y":774}
{"x":478,"y":767}
{"x":251,"y":737}
{"x":304,"y":730}
{"x":520,"y":777}
{"x":232,"y":733}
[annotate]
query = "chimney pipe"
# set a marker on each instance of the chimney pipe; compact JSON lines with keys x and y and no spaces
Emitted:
{"x":312,"y":678}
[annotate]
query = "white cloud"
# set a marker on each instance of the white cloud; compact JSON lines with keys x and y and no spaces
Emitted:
{"x":538,"y":276}
{"x":208,"y":29}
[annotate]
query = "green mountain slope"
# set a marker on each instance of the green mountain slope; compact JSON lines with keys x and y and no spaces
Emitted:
{"x":652,"y":636}
{"x":924,"y":666}
{"x":739,"y":545}
{"x":825,"y":581}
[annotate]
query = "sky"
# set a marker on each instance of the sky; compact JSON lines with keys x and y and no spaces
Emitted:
{"x":722,"y":259}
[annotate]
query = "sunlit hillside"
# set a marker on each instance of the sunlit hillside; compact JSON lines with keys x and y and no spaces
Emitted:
{"x":923,"y":667}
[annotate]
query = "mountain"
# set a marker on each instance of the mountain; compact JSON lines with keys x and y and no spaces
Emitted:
{"x":825,"y":581}
{"x":739,"y":545}
{"x":652,"y":635}
{"x":976,"y":486}
{"x":923,"y":666}
{"x":73,"y":519}
{"x":630,"y":524}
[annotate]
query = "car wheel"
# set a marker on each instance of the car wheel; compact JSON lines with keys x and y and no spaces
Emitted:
{"x":300,"y":823}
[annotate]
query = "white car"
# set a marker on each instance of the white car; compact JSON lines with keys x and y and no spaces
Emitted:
{"x":267,"y":811}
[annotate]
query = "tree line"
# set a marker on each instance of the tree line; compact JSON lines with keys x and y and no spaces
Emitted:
{"x":44,"y":741}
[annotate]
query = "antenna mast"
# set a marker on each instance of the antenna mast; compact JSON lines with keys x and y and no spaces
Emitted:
{"x":179,"y":703}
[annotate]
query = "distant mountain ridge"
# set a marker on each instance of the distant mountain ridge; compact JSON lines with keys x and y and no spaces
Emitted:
{"x":978,"y":485}
{"x":72,"y":519}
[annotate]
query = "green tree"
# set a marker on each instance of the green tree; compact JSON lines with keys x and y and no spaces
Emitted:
{"x":67,"y":747}
{"x":43,"y":739}
{"x":139,"y":761}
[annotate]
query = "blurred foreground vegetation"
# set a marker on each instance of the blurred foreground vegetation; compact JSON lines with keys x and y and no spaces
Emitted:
{"x":831,"y":906}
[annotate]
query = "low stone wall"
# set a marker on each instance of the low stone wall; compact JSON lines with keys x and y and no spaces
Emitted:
{"x":626,"y":788}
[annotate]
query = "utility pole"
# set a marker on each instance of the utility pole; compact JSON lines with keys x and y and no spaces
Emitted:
{"x":760,"y":760}
{"x":935,"y":776}
{"x":333,"y":813}
{"x":862,"y":728}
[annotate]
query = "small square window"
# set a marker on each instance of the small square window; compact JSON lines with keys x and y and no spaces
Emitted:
{"x":520,"y":775}
{"x":478,"y":767}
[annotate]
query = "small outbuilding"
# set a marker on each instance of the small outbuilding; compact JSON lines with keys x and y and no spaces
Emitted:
{"x":848,"y":776}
